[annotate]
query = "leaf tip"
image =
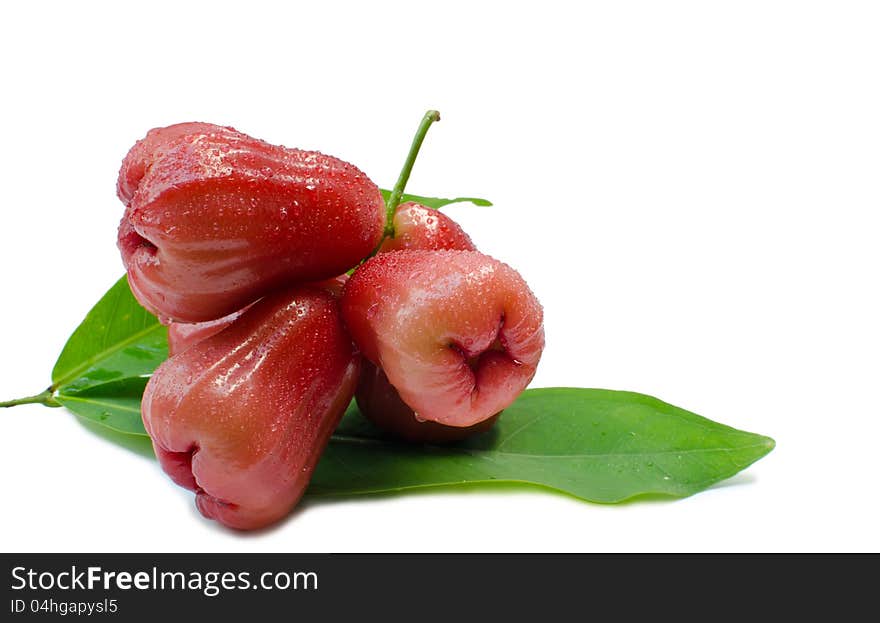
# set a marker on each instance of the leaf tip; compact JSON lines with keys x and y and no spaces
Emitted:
{"x":762,"y":447}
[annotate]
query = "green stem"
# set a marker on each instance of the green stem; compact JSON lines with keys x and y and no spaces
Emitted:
{"x":394,"y":200}
{"x":43,"y":398}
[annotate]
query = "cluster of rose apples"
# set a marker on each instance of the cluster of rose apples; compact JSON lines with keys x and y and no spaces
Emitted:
{"x":244,"y":250}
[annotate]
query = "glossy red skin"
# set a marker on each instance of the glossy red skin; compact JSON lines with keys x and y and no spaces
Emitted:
{"x":215,"y":219}
{"x":416,"y":227}
{"x":182,"y":335}
{"x":419,"y":227}
{"x":141,"y":156}
{"x":242,"y":417}
{"x":458,"y":334}
{"x":379,"y":401}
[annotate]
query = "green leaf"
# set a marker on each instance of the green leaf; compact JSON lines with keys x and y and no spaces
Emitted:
{"x":116,"y":405}
{"x":594,"y":444}
{"x":436,"y":202}
{"x":597,"y":445}
{"x":102,"y":370}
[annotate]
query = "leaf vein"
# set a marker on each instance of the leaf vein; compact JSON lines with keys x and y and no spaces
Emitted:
{"x":85,"y":365}
{"x":110,"y":405}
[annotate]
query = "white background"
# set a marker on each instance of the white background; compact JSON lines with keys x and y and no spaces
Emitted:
{"x":691,"y":188}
